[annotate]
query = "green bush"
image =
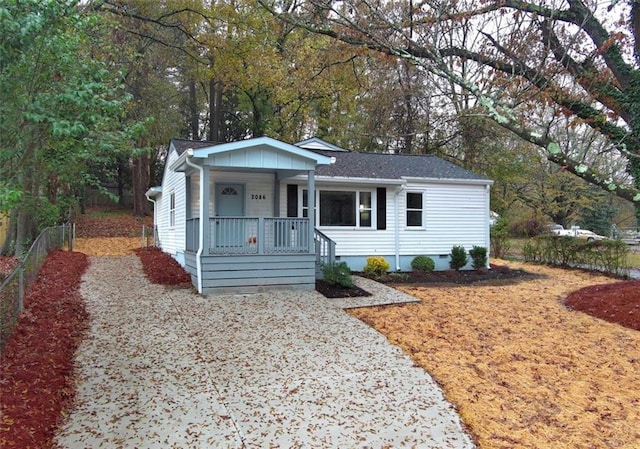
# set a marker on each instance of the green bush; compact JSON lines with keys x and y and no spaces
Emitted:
{"x":338,"y":273}
{"x":377,"y":266}
{"x":608,"y":255}
{"x":423,"y":263}
{"x":528,"y":227}
{"x":478,"y":257}
{"x":500,"y":243}
{"x":458,"y":257}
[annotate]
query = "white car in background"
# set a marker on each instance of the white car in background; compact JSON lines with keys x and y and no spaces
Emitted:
{"x":584,"y":234}
{"x":589,"y":236}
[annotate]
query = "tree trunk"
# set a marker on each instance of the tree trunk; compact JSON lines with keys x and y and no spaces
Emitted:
{"x":23,"y":232}
{"x":120,"y":177}
{"x":10,"y":237}
{"x":26,"y":221}
{"x":408,"y":131}
{"x":141,"y":175}
{"x":193,"y":111}
{"x":215,"y":109}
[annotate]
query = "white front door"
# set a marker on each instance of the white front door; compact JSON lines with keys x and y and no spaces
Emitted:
{"x":229,"y":202}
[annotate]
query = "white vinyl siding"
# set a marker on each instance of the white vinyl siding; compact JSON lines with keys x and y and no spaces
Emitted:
{"x":354,"y":240}
{"x":453,"y":214}
{"x":172,"y":238}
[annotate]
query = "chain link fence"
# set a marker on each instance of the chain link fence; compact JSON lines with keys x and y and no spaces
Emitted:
{"x":24,"y":275}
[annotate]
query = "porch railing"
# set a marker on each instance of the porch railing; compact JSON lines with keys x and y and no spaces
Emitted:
{"x":325,"y":249}
{"x":193,"y":234}
{"x":252,"y":235}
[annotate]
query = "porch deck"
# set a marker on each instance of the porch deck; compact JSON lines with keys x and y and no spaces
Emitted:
{"x":254,"y":254}
{"x":251,"y":235}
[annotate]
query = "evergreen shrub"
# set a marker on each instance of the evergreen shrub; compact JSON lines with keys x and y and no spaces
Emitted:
{"x":423,"y":263}
{"x":338,"y":273}
{"x":458,"y":257}
{"x":478,"y":257}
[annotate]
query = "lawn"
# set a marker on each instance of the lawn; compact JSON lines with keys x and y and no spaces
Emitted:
{"x":523,"y":370}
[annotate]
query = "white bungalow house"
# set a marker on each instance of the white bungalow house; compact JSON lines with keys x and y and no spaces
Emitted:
{"x":238,"y":216}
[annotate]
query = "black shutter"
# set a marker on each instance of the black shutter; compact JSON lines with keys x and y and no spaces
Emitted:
{"x":381,"y":209}
{"x":292,"y":200}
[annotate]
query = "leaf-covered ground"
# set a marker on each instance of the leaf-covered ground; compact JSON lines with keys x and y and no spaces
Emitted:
{"x":524,"y":370}
{"x":110,"y":222}
{"x":7,"y":264}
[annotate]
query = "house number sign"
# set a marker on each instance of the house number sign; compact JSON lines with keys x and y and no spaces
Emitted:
{"x":258,"y":196}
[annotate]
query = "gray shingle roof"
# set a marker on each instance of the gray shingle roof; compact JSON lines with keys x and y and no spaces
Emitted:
{"x":182,"y":145}
{"x":392,"y":166}
{"x":351,"y":164}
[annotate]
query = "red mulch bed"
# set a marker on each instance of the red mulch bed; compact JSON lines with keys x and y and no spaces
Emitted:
{"x":497,"y":274}
{"x":616,"y":303}
{"x":161,"y":268}
{"x":36,"y":364}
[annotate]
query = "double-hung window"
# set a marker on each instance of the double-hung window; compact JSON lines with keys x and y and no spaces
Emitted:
{"x":415,"y":209}
{"x":341,"y":208}
{"x":172,"y":209}
{"x":364,"y":209}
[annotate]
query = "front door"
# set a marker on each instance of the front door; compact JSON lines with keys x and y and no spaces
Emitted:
{"x":229,"y":202}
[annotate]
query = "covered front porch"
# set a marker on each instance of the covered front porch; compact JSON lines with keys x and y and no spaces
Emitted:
{"x":235,"y":237}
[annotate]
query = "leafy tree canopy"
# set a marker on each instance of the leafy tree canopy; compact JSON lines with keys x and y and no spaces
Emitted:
{"x":59,"y":109}
{"x":539,"y":68}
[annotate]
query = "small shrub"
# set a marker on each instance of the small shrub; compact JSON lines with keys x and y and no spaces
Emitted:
{"x":500,"y":243}
{"x":478,"y":257}
{"x":376,"y":266}
{"x":423,"y":263}
{"x":529,"y":227}
{"x":458,"y":257}
{"x":397,"y":277}
{"x":338,"y":273}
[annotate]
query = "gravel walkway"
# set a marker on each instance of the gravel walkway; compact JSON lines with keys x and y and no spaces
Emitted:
{"x":164,"y":368}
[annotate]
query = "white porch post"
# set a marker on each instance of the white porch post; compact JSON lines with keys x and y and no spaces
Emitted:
{"x":311,"y":199}
{"x":201,"y":223}
{"x":204,"y":210}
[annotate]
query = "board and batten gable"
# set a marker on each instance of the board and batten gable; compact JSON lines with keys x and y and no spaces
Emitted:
{"x":172,"y":238}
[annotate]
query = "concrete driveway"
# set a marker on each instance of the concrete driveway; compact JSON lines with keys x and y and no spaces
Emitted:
{"x":164,"y":368}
